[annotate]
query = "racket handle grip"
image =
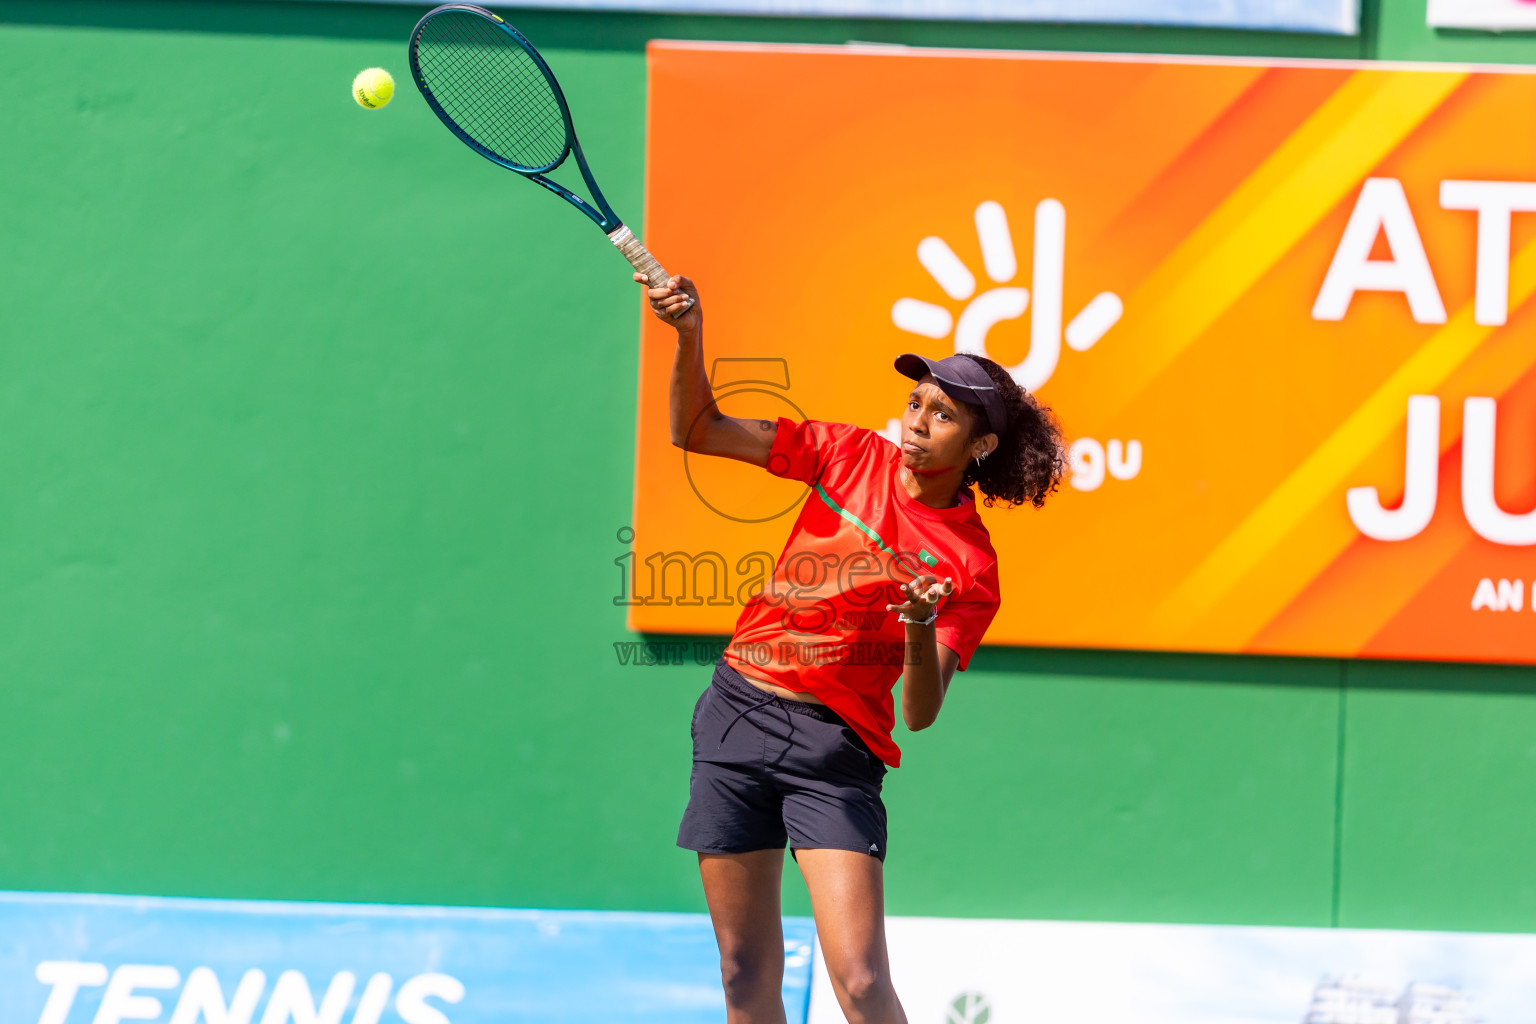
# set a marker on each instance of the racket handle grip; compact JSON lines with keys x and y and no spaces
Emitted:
{"x":641,"y":259}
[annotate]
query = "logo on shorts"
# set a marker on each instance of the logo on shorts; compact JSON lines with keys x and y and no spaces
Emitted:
{"x":874,"y":847}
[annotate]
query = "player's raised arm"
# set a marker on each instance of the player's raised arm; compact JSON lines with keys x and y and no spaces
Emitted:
{"x":698,"y":425}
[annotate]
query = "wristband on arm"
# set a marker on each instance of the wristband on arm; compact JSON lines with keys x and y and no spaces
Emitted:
{"x":934,"y":614}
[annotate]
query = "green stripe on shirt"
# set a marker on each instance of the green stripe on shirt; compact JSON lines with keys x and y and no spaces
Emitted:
{"x":855,"y":520}
{"x":867,"y":530}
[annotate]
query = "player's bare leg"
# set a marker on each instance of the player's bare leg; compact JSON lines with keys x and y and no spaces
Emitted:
{"x":848,"y":899}
{"x":742,"y":890}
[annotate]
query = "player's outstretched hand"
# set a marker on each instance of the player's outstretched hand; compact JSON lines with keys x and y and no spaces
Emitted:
{"x":922,"y":595}
{"x":676,"y":295}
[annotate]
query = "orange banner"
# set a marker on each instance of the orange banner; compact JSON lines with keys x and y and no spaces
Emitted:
{"x":1282,"y":310}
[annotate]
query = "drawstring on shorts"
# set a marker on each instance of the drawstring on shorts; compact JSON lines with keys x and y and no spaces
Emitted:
{"x":767,"y":700}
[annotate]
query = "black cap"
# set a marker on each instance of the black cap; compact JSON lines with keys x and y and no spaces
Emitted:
{"x":962,"y":378}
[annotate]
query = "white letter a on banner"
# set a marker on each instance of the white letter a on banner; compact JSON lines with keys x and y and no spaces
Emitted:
{"x":1381,"y":207}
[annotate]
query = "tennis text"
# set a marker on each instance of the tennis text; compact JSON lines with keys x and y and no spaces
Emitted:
{"x":128,"y":996}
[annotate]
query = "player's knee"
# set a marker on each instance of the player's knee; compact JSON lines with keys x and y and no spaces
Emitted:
{"x":746,"y":973}
{"x":863,"y":984}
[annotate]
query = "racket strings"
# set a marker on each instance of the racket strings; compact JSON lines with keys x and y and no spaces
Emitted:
{"x":496,"y":92}
{"x":492,"y":89}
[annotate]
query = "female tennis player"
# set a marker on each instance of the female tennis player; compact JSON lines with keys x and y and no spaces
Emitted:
{"x":888,"y":572}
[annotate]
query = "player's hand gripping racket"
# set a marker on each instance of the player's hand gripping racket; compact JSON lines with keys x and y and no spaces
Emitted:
{"x":493,"y":90}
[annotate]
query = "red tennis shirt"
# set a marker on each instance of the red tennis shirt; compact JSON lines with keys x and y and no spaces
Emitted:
{"x":819,"y":624}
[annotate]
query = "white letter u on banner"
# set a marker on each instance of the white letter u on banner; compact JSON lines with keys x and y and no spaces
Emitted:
{"x":1477,"y":500}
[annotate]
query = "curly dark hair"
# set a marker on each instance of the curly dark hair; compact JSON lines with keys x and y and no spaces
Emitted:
{"x":1030,"y":457}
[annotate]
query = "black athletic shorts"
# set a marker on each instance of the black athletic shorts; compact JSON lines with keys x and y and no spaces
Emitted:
{"x":767,"y":770}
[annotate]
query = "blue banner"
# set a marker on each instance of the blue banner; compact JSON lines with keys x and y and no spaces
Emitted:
{"x":1340,"y":17}
{"x":68,"y":959}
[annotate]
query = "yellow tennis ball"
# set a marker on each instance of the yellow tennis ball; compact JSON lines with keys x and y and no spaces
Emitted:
{"x":373,"y":88}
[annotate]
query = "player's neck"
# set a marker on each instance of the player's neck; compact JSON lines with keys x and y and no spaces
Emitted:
{"x":940,"y":489}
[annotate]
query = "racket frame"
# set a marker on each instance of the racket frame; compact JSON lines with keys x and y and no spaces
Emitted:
{"x":598,"y":209}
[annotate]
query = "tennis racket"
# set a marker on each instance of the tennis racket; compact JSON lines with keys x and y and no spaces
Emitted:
{"x":493,"y":90}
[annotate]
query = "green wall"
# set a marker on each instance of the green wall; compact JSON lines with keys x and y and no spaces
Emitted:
{"x":306,"y":573}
